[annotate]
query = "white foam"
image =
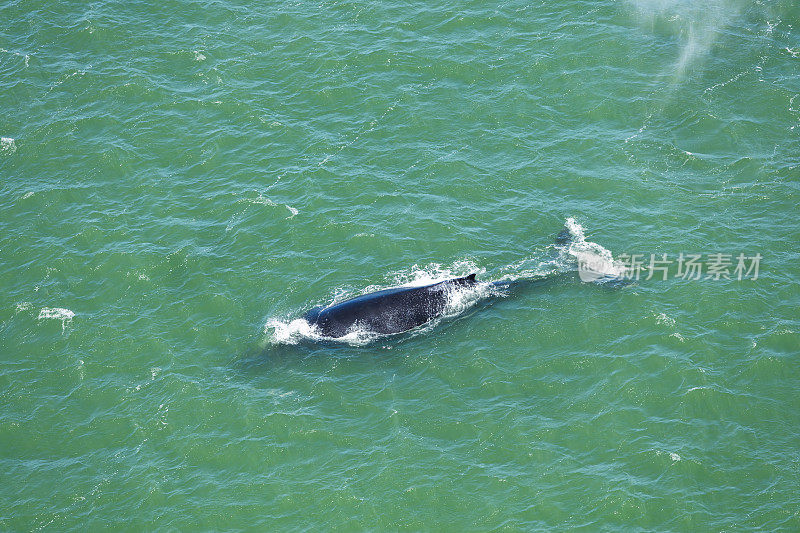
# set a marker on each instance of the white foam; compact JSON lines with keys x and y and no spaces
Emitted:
{"x":263,"y":200}
{"x":662,"y":318}
{"x":434,"y":272}
{"x":58,"y":313}
{"x":462,"y":297}
{"x":198,"y":55}
{"x":7,"y":145}
{"x":298,"y":330}
{"x":595,"y":262}
{"x":289,"y":332}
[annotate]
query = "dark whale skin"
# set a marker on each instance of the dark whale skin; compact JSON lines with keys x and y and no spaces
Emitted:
{"x":388,"y":311}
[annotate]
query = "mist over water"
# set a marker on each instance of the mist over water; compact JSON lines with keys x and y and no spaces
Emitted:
{"x":695,"y":26}
{"x":180,"y":182}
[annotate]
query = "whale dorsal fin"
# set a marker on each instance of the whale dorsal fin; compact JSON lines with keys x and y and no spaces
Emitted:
{"x":466,"y":280}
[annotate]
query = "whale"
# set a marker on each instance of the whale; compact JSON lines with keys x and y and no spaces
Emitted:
{"x":388,"y":311}
{"x":399,"y":309}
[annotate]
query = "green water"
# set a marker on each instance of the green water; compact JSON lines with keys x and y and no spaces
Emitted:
{"x":181,"y":180}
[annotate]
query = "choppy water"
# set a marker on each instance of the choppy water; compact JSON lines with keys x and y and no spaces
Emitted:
{"x":177,"y":179}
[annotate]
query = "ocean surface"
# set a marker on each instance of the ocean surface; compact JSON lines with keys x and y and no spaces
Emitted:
{"x":180,"y":181}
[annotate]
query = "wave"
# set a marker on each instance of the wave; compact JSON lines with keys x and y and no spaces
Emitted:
{"x":57,"y":313}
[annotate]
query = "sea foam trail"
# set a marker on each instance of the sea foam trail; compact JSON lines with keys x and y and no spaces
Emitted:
{"x":593,"y":262}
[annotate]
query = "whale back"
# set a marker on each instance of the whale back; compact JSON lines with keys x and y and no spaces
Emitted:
{"x":387,"y":311}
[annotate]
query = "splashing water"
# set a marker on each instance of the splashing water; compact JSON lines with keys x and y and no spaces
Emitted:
{"x":595,"y":263}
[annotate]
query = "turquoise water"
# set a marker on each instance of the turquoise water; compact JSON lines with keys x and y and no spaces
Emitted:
{"x":180,"y":181}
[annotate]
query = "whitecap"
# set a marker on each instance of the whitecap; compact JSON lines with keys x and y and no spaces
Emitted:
{"x":58,"y":313}
{"x":7,"y":145}
{"x":662,"y":318}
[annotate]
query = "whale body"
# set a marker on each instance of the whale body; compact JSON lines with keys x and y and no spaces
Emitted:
{"x":388,"y":311}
